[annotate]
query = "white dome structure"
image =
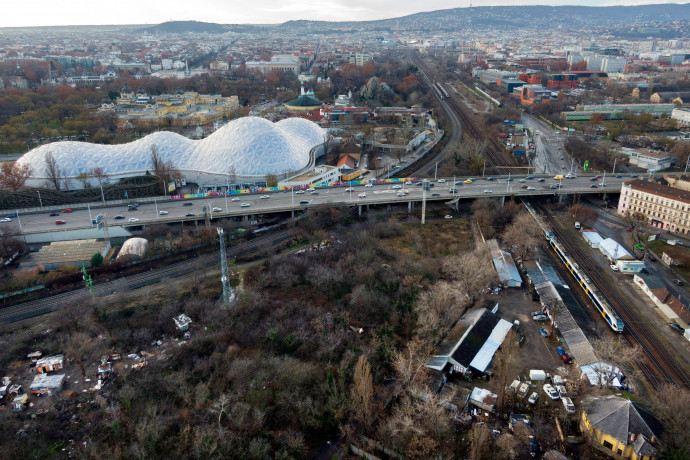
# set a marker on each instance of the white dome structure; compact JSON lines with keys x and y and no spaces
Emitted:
{"x":249,"y":147}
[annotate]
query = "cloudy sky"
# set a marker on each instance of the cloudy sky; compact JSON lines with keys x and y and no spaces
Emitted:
{"x":75,"y":12}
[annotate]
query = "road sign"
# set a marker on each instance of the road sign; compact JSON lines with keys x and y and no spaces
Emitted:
{"x":100,"y":225}
{"x":585,"y":167}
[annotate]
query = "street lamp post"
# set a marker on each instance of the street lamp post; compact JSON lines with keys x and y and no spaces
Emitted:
{"x":435,"y":171}
{"x":614,"y":166}
{"x":102,"y":194}
{"x":686,"y":166}
{"x":155,"y":203}
{"x":40,"y":202}
{"x":484,"y":169}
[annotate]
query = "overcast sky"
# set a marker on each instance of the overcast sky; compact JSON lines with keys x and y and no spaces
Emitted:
{"x":77,"y":12}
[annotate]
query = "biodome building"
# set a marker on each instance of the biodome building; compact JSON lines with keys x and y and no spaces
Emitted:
{"x":244,"y":151}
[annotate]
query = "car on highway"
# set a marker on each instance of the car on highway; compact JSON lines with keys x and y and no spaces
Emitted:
{"x":468,"y":181}
{"x":235,"y":199}
{"x":555,"y":186}
{"x":54,"y":214}
{"x":216,"y":209}
{"x":188,"y":203}
{"x":362,"y":195}
{"x":676,"y":327}
{"x":488,"y":190}
{"x":190,"y":214}
{"x":634,"y":176}
{"x":619,"y":176}
{"x":400,"y":195}
{"x":593,"y":179}
{"x":304,"y":202}
{"x":441,"y":181}
{"x":265,"y":197}
{"x":594,"y":186}
{"x":5,"y":219}
{"x":299,"y":192}
{"x":119,"y":217}
{"x":459,"y":182}
{"x":522,"y":181}
{"x":66,"y":210}
{"x":245,"y":205}
{"x":598,"y":176}
{"x":369,"y":185}
{"x":529,"y":178}
{"x":510,"y":179}
{"x":60,"y":222}
{"x":435,"y":194}
{"x":490,"y":178}
{"x":542,"y":180}
{"x":395,"y":186}
{"x":349,"y":189}
{"x":313,"y":192}
{"x":531,"y":188}
{"x":614,"y":267}
{"x":523,"y":186}
{"x":453,"y":190}
{"x":133,"y":219}
{"x":12,"y":216}
{"x":163,"y":213}
{"x":558,"y":177}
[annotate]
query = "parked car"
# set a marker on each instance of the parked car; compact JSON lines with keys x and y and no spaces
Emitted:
{"x":66,"y":210}
{"x":163,"y":213}
{"x":543,"y":332}
{"x":676,"y":327}
{"x":614,"y":267}
{"x":533,"y":398}
{"x":60,"y":222}
{"x":133,"y":219}
{"x":551,"y":391}
{"x":540,"y":318}
{"x":537,"y":313}
{"x":448,"y":216}
{"x":566,"y":359}
{"x":560,"y":350}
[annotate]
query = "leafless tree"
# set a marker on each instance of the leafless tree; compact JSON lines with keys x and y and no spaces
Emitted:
{"x":99,"y":175}
{"x":410,"y":365}
{"x":84,"y":179}
{"x":362,"y":391}
{"x":438,"y":308}
{"x":165,"y":171}
{"x":52,"y":172}
{"x":480,"y":443}
{"x":471,"y":271}
{"x":522,"y":234}
{"x":13,"y":175}
{"x":672,"y":407}
{"x":10,"y":240}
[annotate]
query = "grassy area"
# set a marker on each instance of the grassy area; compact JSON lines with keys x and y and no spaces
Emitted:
{"x":434,"y":239}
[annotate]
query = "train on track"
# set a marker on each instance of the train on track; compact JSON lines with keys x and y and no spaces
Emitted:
{"x":595,"y":295}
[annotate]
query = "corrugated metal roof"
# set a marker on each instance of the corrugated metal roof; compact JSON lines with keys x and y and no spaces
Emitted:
{"x":592,"y":237}
{"x":506,"y":269}
{"x":486,"y":353}
{"x":614,"y":250}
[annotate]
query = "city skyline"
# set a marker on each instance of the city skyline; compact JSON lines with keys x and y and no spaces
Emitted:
{"x":81,"y":12}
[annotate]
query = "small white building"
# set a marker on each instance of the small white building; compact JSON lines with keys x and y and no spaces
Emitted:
{"x":182,"y":322}
{"x":681,"y":115}
{"x":47,"y":384}
{"x":592,"y":238}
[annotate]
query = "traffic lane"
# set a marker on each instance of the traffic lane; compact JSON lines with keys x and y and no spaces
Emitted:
{"x":177,"y":209}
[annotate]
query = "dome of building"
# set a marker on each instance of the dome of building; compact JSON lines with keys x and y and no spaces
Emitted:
{"x":304,"y":103}
{"x":249,"y":146}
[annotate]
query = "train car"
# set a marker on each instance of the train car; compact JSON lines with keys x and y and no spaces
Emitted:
{"x":595,"y":295}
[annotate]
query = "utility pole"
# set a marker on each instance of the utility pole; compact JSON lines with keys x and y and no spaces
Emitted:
{"x":228,"y":294}
{"x":614,"y":166}
{"x":686,"y":166}
{"x":425,"y":184}
{"x":484,"y":169}
{"x":435,"y":171}
{"x":40,"y":202}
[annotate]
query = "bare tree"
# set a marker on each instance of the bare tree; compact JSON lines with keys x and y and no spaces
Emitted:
{"x":52,"y":172}
{"x":410,"y":365}
{"x":13,"y":175}
{"x":165,"y":171}
{"x":672,"y":406}
{"x":480,"y":442}
{"x":522,"y":234}
{"x":84,"y":179}
{"x":10,"y":241}
{"x":362,"y":392}
{"x":438,"y":308}
{"x":99,"y":175}
{"x":471,"y":271}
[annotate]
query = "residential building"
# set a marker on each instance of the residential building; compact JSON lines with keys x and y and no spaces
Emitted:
{"x":681,"y":115}
{"x":359,"y":59}
{"x":679,"y":97}
{"x":613,"y":65}
{"x":620,"y":427}
{"x":219,"y":65}
{"x":664,"y":207}
{"x":669,"y":300}
{"x":558,"y":81}
{"x":531,"y":78}
{"x":509,"y":84}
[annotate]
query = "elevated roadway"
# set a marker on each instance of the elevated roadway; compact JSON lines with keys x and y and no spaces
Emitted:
{"x":359,"y":195}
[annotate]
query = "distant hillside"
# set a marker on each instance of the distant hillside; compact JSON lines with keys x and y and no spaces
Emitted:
{"x":518,"y":17}
{"x":181,"y":27}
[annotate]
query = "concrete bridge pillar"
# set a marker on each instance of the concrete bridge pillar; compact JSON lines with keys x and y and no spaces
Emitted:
{"x":359,"y":210}
{"x":503,"y":200}
{"x":560,"y":198}
{"x":409,"y":207}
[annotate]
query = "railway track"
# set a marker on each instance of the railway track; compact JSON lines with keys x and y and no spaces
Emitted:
{"x":48,"y":304}
{"x":636,"y":330}
{"x":494,"y":152}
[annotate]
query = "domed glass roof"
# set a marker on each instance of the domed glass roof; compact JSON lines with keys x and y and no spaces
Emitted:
{"x":251,"y":146}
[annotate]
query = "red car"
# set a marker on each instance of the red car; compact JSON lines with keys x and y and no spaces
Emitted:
{"x":67,"y":210}
{"x":60,"y":222}
{"x":629,"y":229}
{"x":598,"y":176}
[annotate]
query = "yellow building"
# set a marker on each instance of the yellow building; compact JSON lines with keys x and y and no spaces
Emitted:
{"x":620,"y":427}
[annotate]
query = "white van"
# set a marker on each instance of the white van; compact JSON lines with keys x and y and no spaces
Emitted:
{"x":577,"y":225}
